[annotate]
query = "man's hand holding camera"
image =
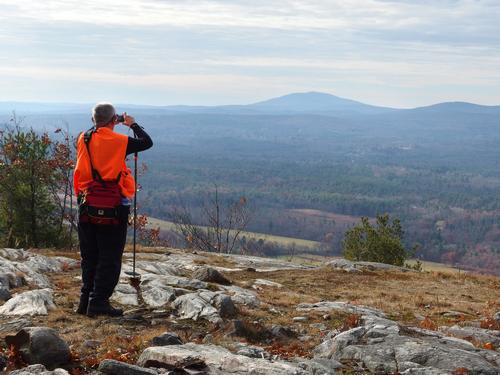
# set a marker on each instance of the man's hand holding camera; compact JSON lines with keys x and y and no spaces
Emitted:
{"x":125,"y":119}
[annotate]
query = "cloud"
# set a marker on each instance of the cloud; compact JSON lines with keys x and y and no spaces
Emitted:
{"x":266,"y":45}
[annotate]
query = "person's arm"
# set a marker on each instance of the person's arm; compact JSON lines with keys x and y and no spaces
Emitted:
{"x":141,"y":142}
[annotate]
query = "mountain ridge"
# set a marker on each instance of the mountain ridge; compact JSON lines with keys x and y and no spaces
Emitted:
{"x":294,"y":103}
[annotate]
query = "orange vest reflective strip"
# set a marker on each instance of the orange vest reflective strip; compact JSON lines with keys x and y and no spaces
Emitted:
{"x":108,"y":151}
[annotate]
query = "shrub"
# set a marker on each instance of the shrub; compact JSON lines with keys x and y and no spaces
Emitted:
{"x":381,"y":242}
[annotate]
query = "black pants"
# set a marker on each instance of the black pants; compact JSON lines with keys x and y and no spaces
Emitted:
{"x":101,"y":249}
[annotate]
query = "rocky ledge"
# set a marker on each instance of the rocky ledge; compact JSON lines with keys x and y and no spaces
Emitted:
{"x":179,"y":287}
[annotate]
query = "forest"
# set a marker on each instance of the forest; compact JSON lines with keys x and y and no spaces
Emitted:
{"x":313,"y":174}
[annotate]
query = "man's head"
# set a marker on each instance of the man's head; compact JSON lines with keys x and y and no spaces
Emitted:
{"x":103,"y":114}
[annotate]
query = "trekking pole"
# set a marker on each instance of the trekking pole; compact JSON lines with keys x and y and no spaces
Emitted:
{"x":135,"y":212}
{"x":135,"y":278}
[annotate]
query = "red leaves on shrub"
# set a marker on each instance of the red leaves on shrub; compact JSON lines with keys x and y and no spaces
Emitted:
{"x":350,"y":322}
{"x":429,"y":324}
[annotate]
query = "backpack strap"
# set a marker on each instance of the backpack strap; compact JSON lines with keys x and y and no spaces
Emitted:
{"x":87,"y":136}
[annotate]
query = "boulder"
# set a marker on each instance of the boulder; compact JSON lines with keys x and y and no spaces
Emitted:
{"x":382,"y":346}
{"x":282,"y":332}
{"x":40,"y":345}
{"x":38,"y":370}
{"x":156,"y":291}
{"x":113,"y":367}
{"x":214,"y":359}
{"x":33,"y":302}
{"x":167,"y":338}
{"x":210,"y":275}
{"x":204,"y":304}
{"x":225,"y":306}
{"x":242,"y":296}
{"x":263,"y":282}
{"x":497,"y":316}
{"x":4,"y":294}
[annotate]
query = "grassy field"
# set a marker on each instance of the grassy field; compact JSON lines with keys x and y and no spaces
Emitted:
{"x":284,"y":241}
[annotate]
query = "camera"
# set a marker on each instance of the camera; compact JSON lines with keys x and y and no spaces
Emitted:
{"x":120,"y":118}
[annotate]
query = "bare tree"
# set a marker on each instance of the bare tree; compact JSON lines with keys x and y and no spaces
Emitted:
{"x":220,"y":227}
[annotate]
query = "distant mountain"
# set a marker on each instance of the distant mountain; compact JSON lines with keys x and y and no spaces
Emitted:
{"x":315,"y":102}
{"x":458,"y":107}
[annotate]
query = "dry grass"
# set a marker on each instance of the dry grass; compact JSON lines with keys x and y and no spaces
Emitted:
{"x":405,"y":297}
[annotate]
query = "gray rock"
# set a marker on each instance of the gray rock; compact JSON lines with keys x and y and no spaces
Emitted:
{"x":156,"y":290}
{"x":282,"y":332}
{"x":319,"y":326}
{"x":382,"y":346}
{"x":343,"y":264}
{"x":251,"y":351}
{"x":261,"y":264}
{"x":497,"y":316}
{"x":300,"y":319}
{"x":112,"y":367}
{"x":210,"y":275}
{"x":92,"y":344}
{"x":349,"y":266}
{"x":5,"y":294}
{"x":262,"y":282}
{"x":174,"y":281}
{"x":38,"y":369}
{"x":33,"y":302}
{"x":225,"y":306}
{"x":167,"y":338}
{"x":422,"y":371}
{"x":328,"y":348}
{"x":474,"y":333}
{"x":203,"y":304}
{"x":320,"y":366}
{"x":15,"y":325}
{"x":13,"y":254}
{"x":40,"y":345}
{"x":125,"y":294}
{"x":242,"y":296}
{"x":326,"y":306}
{"x":217,"y":360}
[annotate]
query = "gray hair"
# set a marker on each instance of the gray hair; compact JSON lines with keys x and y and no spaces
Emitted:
{"x":103,"y":113}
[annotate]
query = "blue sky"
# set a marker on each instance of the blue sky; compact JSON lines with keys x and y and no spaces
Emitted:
{"x":383,"y":52}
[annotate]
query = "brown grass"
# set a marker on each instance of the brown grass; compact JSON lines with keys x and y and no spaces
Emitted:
{"x":419,"y":299}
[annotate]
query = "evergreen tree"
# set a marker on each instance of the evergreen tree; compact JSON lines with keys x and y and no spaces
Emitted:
{"x":376,"y":243}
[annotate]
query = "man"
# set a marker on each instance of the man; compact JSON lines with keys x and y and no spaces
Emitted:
{"x":101,"y":154}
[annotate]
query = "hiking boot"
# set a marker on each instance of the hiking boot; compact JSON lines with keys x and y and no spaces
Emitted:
{"x":82,"y":306}
{"x":102,"y":308}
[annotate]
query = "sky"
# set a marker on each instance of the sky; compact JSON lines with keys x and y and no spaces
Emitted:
{"x":164,"y":52}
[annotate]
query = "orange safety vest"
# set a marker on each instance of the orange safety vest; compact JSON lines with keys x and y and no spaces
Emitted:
{"x":108,"y":150}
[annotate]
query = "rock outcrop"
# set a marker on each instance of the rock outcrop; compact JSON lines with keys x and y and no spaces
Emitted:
{"x":213,"y":359}
{"x":33,"y":302}
{"x":382,"y":345}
